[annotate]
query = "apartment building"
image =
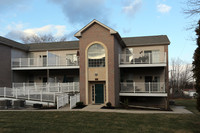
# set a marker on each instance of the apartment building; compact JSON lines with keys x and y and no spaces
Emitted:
{"x":109,"y":68}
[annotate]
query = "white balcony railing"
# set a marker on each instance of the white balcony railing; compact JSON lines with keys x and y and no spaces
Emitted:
{"x":44,"y":92}
{"x":44,"y":62}
{"x":143,"y":58}
{"x":49,"y":87}
{"x":142,"y":87}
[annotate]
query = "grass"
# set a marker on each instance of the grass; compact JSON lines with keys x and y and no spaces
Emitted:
{"x":67,"y":122}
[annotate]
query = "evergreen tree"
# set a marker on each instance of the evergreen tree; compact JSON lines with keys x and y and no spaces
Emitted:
{"x":196,"y":65}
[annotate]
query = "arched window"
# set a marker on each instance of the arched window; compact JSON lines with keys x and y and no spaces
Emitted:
{"x":96,"y":56}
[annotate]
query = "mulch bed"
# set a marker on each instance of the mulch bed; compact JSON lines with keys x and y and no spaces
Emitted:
{"x":79,"y":107}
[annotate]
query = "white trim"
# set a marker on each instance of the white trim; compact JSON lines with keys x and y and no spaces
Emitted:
{"x":144,"y":94}
{"x":143,"y":65}
{"x":43,"y":68}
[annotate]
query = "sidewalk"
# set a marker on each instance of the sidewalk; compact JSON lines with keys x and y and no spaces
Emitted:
{"x":97,"y":108}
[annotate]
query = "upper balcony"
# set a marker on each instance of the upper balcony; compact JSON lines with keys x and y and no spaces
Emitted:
{"x":45,"y":63}
{"x":148,"y":59}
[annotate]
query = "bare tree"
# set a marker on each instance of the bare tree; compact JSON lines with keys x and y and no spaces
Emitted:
{"x":181,"y":76}
{"x":193,"y":7}
{"x":43,"y":38}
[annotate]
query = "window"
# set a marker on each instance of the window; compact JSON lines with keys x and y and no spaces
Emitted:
{"x":96,"y":56}
{"x":71,"y":59}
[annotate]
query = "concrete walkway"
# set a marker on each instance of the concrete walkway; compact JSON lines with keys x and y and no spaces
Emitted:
{"x":97,"y":108}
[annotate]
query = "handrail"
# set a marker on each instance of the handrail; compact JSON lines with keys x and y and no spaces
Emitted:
{"x":44,"y":62}
{"x":148,"y":58}
{"x":143,"y":87}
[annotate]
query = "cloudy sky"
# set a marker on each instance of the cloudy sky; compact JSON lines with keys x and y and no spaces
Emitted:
{"x":129,"y":17}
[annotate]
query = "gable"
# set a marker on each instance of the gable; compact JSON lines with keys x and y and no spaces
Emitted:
{"x":79,"y":33}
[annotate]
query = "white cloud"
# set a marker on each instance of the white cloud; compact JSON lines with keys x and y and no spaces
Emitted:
{"x":17,"y":31}
{"x":56,"y":30}
{"x":132,"y":7}
{"x":162,"y":8}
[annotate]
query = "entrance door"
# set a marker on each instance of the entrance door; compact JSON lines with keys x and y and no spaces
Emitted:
{"x":99,"y":93}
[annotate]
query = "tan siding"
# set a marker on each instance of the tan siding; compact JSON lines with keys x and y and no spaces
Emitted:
{"x":101,"y":74}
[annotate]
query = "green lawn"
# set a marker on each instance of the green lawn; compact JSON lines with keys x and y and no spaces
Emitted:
{"x":67,"y":122}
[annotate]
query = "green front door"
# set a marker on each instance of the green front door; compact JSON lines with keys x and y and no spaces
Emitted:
{"x":99,"y":93}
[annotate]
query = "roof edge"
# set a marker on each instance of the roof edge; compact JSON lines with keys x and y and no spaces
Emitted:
{"x":13,"y":44}
{"x":78,"y":34}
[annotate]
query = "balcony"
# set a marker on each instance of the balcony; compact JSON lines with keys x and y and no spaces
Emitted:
{"x":48,"y":87}
{"x":45,"y":63}
{"x":156,"y":89}
{"x":153,"y":59}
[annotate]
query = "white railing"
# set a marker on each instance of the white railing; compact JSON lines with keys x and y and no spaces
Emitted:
{"x":142,"y":87}
{"x":49,"y":87}
{"x":74,"y":99}
{"x":28,"y":94}
{"x":44,"y":62}
{"x":143,"y":58}
{"x":62,"y":100}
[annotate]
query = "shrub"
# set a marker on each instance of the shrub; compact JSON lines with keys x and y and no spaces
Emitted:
{"x":37,"y":105}
{"x":79,"y":104}
{"x":195,"y":95}
{"x":108,"y":104}
{"x":126,"y":103}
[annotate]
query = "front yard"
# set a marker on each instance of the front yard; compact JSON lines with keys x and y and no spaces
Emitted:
{"x":67,"y":122}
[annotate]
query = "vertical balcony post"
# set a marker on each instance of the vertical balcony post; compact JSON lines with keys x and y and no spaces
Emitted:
{"x":4,"y":89}
{"x":163,"y":87}
{"x":54,"y":97}
{"x":149,"y":87}
{"x":119,"y":59}
{"x":56,"y":61}
{"x":47,"y":59}
{"x":149,"y":58}
{"x":37,"y":60}
{"x":28,"y":62}
{"x":134,"y":87}
{"x":57,"y":103}
{"x":28,"y":93}
{"x":35,"y":86}
{"x":59,"y":90}
{"x":41,"y":96}
{"x":73,"y":87}
{"x":47,"y":87}
{"x":16,"y":93}
{"x":24,"y":87}
{"x":20,"y":62}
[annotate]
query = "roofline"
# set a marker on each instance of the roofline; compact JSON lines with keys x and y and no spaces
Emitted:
{"x":78,"y":34}
{"x":112,"y":32}
{"x":144,"y":36}
{"x":37,"y":50}
{"x":12,"y":41}
{"x":145,"y":44}
{"x":51,"y":42}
